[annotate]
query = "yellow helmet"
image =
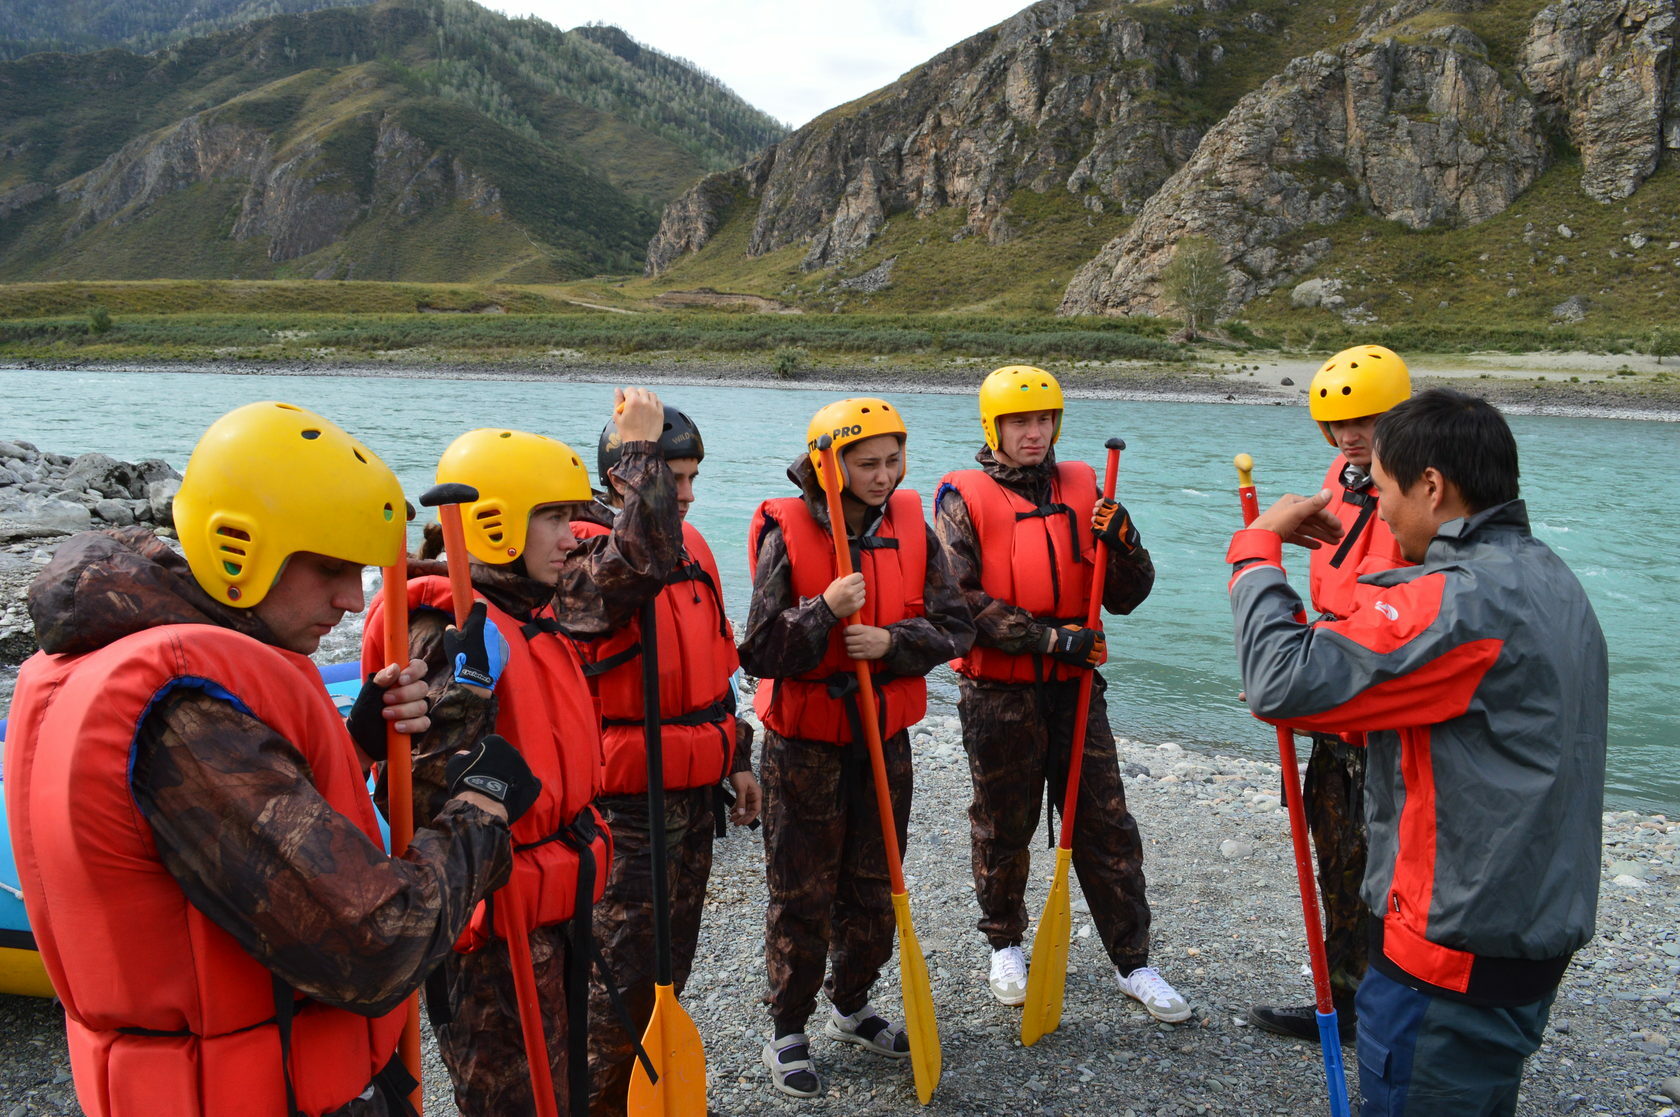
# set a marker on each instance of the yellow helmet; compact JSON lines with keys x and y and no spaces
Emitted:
{"x":1016,"y":388}
{"x":268,"y":480}
{"x":514,"y":472}
{"x":848,"y":421}
{"x":1364,"y":380}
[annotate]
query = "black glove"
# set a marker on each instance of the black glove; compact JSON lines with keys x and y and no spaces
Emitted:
{"x":1078,"y":645}
{"x":495,"y":769}
{"x":477,"y":653}
{"x":367,"y":721}
{"x":1112,"y":524}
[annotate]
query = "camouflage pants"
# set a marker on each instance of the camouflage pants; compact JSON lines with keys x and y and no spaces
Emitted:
{"x":483,"y":1046}
{"x":827,"y":868}
{"x":1009,"y":732}
{"x":1334,"y":797}
{"x":624,"y":928}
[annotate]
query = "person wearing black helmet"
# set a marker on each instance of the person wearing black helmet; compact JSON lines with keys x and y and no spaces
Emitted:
{"x":707,"y":756}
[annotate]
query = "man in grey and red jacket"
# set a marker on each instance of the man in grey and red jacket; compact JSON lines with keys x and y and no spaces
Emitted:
{"x":1480,"y":677}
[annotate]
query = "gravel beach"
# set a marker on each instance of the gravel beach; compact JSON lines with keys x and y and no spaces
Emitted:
{"x":1227,"y":933}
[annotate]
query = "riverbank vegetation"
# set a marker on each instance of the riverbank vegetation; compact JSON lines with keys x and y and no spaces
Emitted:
{"x":421,"y":323}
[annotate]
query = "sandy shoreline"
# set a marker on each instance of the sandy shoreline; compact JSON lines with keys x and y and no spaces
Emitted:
{"x":1529,"y":384}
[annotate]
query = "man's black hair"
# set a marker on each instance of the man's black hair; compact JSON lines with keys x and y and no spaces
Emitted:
{"x":1464,"y":437}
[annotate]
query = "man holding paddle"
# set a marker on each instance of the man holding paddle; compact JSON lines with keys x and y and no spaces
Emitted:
{"x":704,"y":748}
{"x":197,"y":849}
{"x":1479,"y":677}
{"x":832,"y":872}
{"x":1019,"y":535}
{"x":509,"y":1007}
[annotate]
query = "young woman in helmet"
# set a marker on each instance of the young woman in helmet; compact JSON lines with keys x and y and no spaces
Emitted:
{"x":1347,"y":396}
{"x":1019,"y":535}
{"x":705,"y":749}
{"x":181,"y":693}
{"x":829,"y":895}
{"x":532,"y":586}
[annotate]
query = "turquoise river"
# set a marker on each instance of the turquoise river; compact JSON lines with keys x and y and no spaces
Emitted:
{"x":1593,"y":486}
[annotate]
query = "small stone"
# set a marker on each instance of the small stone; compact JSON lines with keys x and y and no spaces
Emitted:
{"x":1628,"y":869}
{"x":116,"y":512}
{"x":1233,"y":850}
{"x":1565,"y":232}
{"x":1287,"y":382}
{"x":1671,"y":1087}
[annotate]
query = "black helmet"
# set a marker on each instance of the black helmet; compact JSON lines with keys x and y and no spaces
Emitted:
{"x":680,"y":439}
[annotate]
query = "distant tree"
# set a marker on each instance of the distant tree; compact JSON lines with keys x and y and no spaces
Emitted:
{"x":1663,"y":343}
{"x":1195,"y":281}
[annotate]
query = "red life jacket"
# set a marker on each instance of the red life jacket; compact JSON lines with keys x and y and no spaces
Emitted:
{"x":696,"y":658}
{"x":165,"y":1012}
{"x":1034,"y":557}
{"x":1335,"y":589}
{"x":894,"y":567}
{"x":543,"y":706}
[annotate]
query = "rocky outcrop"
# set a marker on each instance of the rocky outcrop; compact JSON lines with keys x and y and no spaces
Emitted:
{"x":1043,"y":101}
{"x":46,"y":496}
{"x":1604,"y":70}
{"x":297,"y":198}
{"x":1424,"y":134}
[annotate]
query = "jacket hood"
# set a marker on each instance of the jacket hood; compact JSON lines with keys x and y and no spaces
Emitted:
{"x":502,"y":586}
{"x":101,"y":586}
{"x":1025,"y":478}
{"x":803,"y":474}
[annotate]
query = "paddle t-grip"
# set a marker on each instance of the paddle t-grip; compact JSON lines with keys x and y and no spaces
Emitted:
{"x":450,"y":492}
{"x":1115,"y":444}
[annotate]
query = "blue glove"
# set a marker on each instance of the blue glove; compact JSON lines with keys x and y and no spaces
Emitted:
{"x":477,"y":651}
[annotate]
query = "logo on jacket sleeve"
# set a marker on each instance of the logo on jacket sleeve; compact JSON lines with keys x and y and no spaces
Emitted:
{"x":1386,"y":610}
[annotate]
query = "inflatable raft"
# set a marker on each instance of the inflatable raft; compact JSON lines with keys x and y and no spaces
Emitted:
{"x":21,"y":971}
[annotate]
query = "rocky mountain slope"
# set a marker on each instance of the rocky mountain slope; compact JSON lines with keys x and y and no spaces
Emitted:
{"x":413,"y":139}
{"x":1278,"y":130}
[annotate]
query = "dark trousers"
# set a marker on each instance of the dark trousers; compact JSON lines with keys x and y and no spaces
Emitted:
{"x":830,"y":898}
{"x":483,"y":1046}
{"x":624,"y":927}
{"x":1010,"y":733}
{"x":1334,"y":797}
{"x":1422,"y":1055}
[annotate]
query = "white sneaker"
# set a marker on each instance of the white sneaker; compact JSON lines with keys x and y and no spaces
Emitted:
{"x":1009,"y":975}
{"x":1152,"y":991}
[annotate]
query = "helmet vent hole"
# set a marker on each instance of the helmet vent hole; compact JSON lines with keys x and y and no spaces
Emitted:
{"x":390,"y":513}
{"x":359,"y":456}
{"x":232,"y":568}
{"x":507,"y":434}
{"x":1347,"y":389}
{"x":311,"y":435}
{"x":289,"y":406}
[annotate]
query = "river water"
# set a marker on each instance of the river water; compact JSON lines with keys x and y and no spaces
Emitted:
{"x":1592,"y":486}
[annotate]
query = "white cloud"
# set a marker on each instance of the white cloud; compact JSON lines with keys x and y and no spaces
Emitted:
{"x":794,"y":60}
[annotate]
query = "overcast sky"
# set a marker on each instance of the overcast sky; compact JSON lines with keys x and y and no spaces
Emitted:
{"x":794,"y":59}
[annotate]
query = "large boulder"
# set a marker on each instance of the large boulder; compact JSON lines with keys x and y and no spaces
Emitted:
{"x":105,"y":475}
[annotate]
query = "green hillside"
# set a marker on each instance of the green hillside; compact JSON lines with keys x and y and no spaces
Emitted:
{"x":553,"y":151}
{"x":28,"y":26}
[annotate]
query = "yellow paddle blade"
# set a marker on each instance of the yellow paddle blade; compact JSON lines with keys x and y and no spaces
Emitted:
{"x":922,"y":1029}
{"x":679,"y":1058}
{"x":1047,"y":976}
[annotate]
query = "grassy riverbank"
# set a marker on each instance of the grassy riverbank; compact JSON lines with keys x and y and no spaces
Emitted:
{"x":603,"y":326}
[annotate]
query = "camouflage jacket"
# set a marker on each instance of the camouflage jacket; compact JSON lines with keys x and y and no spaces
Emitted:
{"x":788,"y":637}
{"x":235,"y":815}
{"x":997,"y":623}
{"x":603,"y":584}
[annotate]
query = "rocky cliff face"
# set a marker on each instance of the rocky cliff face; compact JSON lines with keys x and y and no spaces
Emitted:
{"x":295,"y":199}
{"x":1410,"y":118}
{"x":1030,"y":104}
{"x":1424,"y":134}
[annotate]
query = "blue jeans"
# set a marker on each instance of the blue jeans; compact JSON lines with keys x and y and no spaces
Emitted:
{"x":1422,"y":1055}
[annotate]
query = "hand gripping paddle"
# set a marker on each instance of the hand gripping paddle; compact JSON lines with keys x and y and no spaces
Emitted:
{"x":919,"y":1023}
{"x":1329,"y":1033}
{"x":1041,"y":1013}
